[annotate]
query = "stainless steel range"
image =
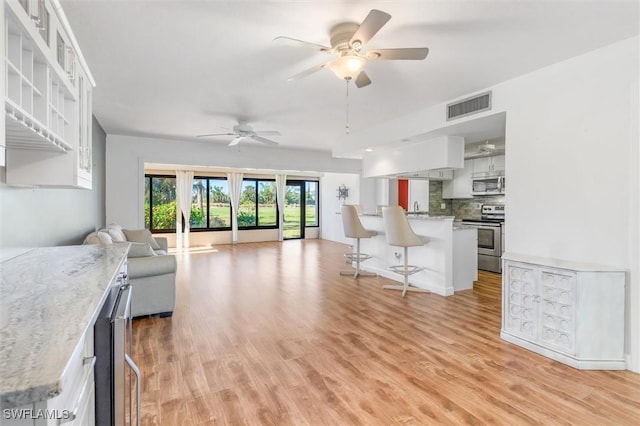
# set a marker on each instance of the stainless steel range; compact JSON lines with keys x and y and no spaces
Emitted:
{"x":490,"y":236}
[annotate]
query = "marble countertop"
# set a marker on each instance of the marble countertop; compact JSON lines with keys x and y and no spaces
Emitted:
{"x":49,"y":297}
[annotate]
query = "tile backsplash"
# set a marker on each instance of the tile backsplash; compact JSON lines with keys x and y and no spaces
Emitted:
{"x":468,"y":208}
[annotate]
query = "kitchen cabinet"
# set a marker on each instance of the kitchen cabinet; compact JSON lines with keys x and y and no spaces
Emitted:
{"x":47,"y":98}
{"x":439,"y":174}
{"x":418,"y":195}
{"x":488,"y":166}
{"x":444,"y":174}
{"x":49,"y":377}
{"x":460,"y":186}
{"x":438,"y":155}
{"x":569,"y":312}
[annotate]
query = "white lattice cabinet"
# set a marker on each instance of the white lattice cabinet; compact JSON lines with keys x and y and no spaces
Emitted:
{"x":47,"y":98}
{"x":570,"y":312}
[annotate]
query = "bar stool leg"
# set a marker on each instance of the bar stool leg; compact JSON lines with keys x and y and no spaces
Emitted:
{"x":406,"y":271}
{"x":358,"y":258}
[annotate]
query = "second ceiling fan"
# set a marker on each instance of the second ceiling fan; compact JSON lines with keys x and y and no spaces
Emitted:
{"x":243,"y":130}
{"x":347,"y":40}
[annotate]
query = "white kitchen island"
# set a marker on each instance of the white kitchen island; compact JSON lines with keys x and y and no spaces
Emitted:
{"x":449,"y":256}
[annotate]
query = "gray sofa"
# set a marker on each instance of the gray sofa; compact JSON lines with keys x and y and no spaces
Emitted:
{"x":151,"y":270}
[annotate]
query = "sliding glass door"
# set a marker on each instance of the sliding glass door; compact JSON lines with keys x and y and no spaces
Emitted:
{"x":294,"y":210}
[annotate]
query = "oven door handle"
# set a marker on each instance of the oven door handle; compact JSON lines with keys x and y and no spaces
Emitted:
{"x":136,"y":371}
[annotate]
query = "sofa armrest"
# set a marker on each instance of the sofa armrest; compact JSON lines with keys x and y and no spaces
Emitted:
{"x":162,"y":242}
{"x":150,"y":266}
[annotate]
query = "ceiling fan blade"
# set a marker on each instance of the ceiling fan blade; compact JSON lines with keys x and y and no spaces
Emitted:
{"x":307,"y":72}
{"x":370,"y":26}
{"x":402,"y":53}
{"x":235,"y":141}
{"x":216,"y":134}
{"x":267,"y":133}
{"x":362,"y":80}
{"x":287,"y":41}
{"x":264,"y":140}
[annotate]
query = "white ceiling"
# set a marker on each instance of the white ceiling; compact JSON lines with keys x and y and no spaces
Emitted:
{"x":176,"y":69}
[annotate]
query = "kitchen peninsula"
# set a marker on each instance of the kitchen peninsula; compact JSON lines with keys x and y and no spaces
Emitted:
{"x":50,"y":300}
{"x":449,"y":256}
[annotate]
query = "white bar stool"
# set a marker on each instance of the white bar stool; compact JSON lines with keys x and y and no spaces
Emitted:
{"x":399,"y":234}
{"x":353,"y":229}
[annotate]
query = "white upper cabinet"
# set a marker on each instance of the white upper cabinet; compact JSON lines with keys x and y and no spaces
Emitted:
{"x":460,"y":186}
{"x":418,"y":195}
{"x":440,"y":174}
{"x":488,"y":166}
{"x":47,"y":98}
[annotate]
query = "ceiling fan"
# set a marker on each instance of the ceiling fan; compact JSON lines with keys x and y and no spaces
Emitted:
{"x":347,"y":40}
{"x":243,"y":130}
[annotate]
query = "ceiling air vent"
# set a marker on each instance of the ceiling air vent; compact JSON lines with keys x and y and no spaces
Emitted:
{"x":468,"y":106}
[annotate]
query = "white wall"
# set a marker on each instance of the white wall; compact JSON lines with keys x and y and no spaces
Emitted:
{"x":126,"y":156}
{"x":32,"y":217}
{"x":331,"y":224}
{"x":570,"y":144}
{"x":368,"y":194}
{"x":572,"y":163}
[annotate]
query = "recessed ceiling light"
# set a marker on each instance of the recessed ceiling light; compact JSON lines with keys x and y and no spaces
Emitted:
{"x":369,"y":149}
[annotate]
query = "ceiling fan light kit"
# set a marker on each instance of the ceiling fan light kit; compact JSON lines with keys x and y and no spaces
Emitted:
{"x":348,"y":66}
{"x":347,"y":40}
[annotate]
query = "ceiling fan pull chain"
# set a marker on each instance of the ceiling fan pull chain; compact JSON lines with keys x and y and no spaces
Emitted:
{"x":347,"y":107}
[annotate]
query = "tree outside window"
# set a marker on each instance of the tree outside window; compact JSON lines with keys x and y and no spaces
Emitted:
{"x":267,"y":204}
{"x":247,"y":209}
{"x":219,"y":204}
{"x":161,"y":209}
{"x":198,"y":204}
{"x":311,"y":203}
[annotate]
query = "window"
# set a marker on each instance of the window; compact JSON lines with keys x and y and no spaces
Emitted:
{"x":267,"y":204}
{"x":258,"y":206}
{"x":160,"y":203}
{"x":247,"y":210}
{"x":311,"y":203}
{"x":219,"y":204}
{"x":198,"y":217}
{"x":210,"y":204}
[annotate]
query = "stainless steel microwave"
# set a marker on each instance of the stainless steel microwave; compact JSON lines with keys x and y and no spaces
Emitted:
{"x":489,"y":185}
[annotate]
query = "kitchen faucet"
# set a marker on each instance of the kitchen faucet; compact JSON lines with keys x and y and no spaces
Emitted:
{"x":416,"y":206}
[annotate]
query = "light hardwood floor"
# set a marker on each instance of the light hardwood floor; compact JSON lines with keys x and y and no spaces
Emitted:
{"x":270,"y":334}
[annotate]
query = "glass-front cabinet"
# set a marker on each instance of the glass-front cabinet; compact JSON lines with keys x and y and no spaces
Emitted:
{"x":48,"y":88}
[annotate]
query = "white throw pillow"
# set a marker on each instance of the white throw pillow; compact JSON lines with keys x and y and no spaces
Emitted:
{"x":92,"y":238}
{"x":140,"y":250}
{"x":116,"y":233}
{"x":104,"y":238}
{"x":141,"y":236}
